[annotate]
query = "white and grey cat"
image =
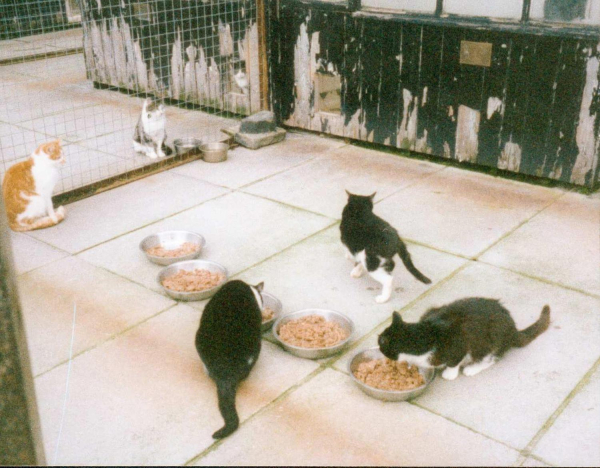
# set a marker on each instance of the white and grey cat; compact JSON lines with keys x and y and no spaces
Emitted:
{"x":228,"y":342}
{"x":150,"y":134}
{"x":372,"y":243}
{"x":472,"y":334}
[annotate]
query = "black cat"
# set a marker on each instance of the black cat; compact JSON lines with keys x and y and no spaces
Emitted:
{"x":372,"y":243}
{"x":228,"y":342}
{"x":472,"y":333}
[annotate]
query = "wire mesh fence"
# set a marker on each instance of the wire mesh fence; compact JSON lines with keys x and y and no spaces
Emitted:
{"x":80,"y":70}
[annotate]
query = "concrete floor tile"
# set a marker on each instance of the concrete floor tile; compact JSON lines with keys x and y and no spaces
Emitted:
{"x":463,"y":212}
{"x":112,"y":213}
{"x":17,"y":49}
{"x":144,"y":399}
{"x":329,"y":421}
{"x":245,"y":166}
{"x":106,"y":305}
{"x":574,"y":438}
{"x":85,"y":166}
{"x":83,"y":123}
{"x":29,"y":253}
{"x":17,"y":143}
{"x":240,"y":231}
{"x":560,"y":244}
{"x":316,"y":274}
{"x":512,"y":400}
{"x":319,"y":185}
{"x":532,"y":462}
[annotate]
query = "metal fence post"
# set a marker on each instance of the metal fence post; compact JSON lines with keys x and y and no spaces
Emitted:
{"x":20,"y":432}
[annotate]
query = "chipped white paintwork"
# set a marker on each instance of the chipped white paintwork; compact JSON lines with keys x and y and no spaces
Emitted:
{"x":510,"y":158}
{"x":588,"y":145}
{"x":467,"y":130}
{"x":494,"y":105}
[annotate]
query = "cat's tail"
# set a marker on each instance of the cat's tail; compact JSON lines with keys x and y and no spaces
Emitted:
{"x":405,"y":257}
{"x":226,"y":391}
{"x":524,"y":337}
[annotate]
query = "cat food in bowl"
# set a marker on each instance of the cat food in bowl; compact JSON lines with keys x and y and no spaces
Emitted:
{"x":193,"y":280}
{"x":187,"y":146}
{"x":271,"y":310}
{"x":170,"y":247}
{"x":313,"y":333}
{"x":388,"y":380}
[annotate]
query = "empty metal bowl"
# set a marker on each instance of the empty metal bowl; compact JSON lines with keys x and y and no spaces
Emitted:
{"x":275,"y":305}
{"x":188,"y":146}
{"x":214,"y":152}
{"x":191,"y":265}
{"x":171,"y":240}
{"x":371,"y":354}
{"x":315,"y":353}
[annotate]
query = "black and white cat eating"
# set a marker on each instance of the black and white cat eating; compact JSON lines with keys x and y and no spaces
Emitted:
{"x":472,"y":334}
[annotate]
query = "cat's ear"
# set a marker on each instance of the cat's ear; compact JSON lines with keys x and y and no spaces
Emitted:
{"x":259,"y":287}
{"x":397,"y":320}
{"x":348,"y":193}
{"x":372,"y":196}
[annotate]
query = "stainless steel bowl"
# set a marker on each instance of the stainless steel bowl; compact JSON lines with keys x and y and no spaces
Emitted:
{"x":315,"y":353}
{"x":172,"y":240}
{"x":191,"y":265}
{"x":275,"y":305}
{"x":371,"y":354}
{"x":188,"y":146}
{"x":214,"y":152}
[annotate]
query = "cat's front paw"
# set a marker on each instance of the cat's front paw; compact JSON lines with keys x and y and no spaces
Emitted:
{"x":161,"y":155}
{"x":382,"y":298}
{"x":60,"y":212}
{"x":357,"y":271}
{"x":472,"y":370}
{"x":450,"y":373}
{"x":152,"y":155}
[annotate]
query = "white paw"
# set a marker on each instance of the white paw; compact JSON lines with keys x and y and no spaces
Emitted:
{"x":470,"y":371}
{"x":152,"y":155}
{"x":357,"y":271}
{"x":161,"y":155}
{"x":349,"y":256}
{"x":54,"y":218}
{"x":450,"y":373}
{"x":382,"y":298}
{"x":60,"y":211}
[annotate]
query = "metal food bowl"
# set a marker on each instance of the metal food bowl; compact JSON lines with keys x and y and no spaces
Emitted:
{"x":171,"y":240}
{"x":188,"y":146}
{"x":214,"y":152}
{"x":192,"y":265}
{"x":371,"y":354}
{"x":315,"y":353}
{"x":275,"y":305}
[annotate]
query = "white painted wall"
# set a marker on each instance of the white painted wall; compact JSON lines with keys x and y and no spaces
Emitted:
{"x":421,"y":6}
{"x":511,"y":9}
{"x":592,"y":11}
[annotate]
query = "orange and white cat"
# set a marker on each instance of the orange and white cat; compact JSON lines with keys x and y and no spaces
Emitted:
{"x":28,"y":187}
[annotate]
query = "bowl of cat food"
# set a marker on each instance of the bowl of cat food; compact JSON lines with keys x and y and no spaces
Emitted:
{"x":384,"y":379}
{"x":214,"y":152}
{"x":188,"y":146}
{"x":313,"y":333}
{"x":192,"y":280}
{"x":271,"y":310}
{"x":166,"y":248}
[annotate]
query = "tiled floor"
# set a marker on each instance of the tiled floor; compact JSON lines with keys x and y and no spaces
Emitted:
{"x":138,"y":394}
